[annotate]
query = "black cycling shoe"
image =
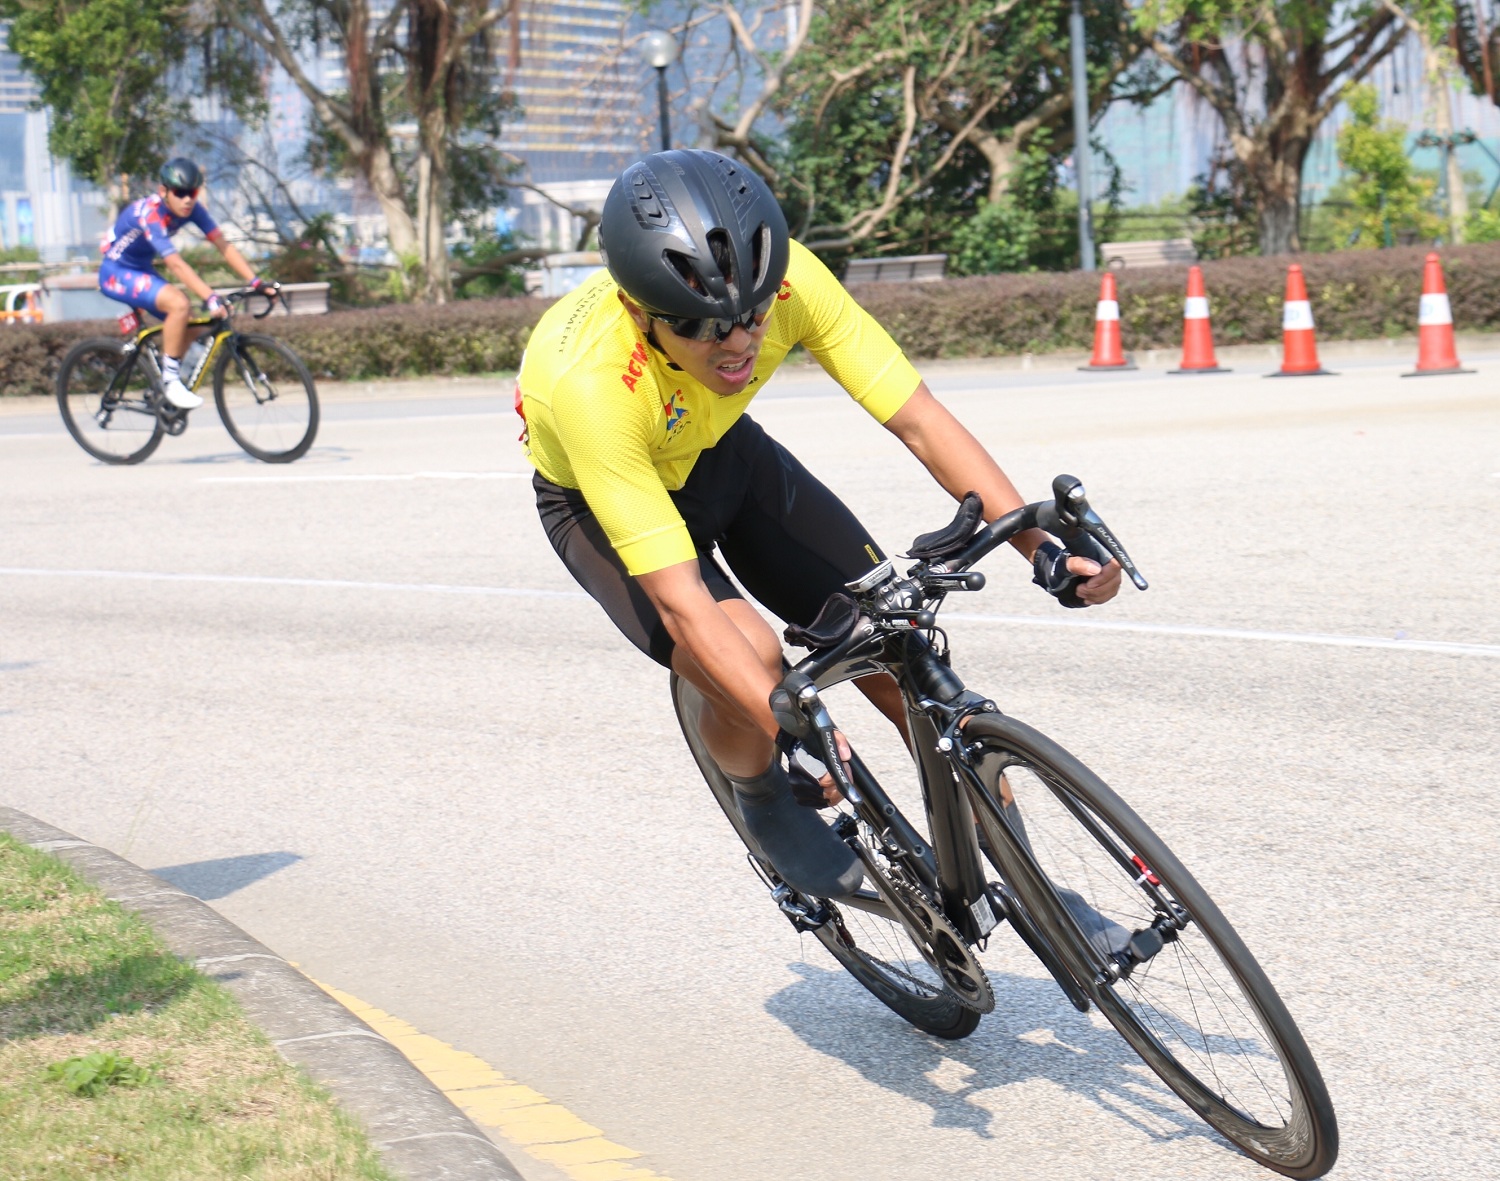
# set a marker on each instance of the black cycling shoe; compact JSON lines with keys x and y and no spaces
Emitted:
{"x":1106,"y":936}
{"x":805,"y":851}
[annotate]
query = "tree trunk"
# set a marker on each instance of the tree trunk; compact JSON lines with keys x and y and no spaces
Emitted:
{"x":432,"y":208}
{"x":1273,"y":165}
{"x":380,"y":172}
{"x":1440,"y":106}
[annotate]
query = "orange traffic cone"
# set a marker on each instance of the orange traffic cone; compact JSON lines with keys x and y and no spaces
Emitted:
{"x":1107,"y":351}
{"x":1197,"y":332}
{"x":1299,"y":345}
{"x":1436,"y":351}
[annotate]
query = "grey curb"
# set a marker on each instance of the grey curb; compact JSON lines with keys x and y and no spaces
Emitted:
{"x":419,"y":1132}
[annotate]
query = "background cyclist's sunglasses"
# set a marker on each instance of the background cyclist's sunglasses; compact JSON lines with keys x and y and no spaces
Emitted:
{"x":700,"y":329}
{"x":184,"y":192}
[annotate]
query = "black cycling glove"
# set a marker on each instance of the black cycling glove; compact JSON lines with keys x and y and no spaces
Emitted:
{"x":1051,"y":573}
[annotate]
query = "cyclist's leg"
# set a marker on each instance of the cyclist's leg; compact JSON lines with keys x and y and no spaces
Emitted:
{"x":794,"y":838}
{"x":793,"y":542}
{"x":579,"y":540}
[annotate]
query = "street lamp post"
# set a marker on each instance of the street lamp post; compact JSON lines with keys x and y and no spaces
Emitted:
{"x":1081,"y":139}
{"x":659,"y":50}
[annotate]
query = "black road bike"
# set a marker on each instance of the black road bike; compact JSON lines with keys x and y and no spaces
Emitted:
{"x":114,"y":403}
{"x":1016,"y":830}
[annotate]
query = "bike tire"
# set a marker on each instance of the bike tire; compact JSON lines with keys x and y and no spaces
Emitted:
{"x":1200,"y":1012}
{"x":874,"y":950}
{"x":106,"y":406}
{"x":266,"y":398}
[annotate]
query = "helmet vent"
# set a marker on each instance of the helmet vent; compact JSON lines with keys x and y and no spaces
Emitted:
{"x":762,"y":254}
{"x":723,"y":255}
{"x":648,"y":206}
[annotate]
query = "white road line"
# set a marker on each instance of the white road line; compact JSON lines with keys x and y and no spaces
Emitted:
{"x":354,"y":477}
{"x":1316,"y":639}
{"x":1232,"y":633}
{"x":431,"y":588}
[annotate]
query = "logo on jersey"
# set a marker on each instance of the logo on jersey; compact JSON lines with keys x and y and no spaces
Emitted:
{"x":676,"y":411}
{"x":635,"y":368}
{"x":114,"y":284}
{"x":141,"y":283}
{"x":786,"y":290}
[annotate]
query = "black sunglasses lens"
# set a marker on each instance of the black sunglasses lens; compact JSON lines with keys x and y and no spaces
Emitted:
{"x":184,"y":192}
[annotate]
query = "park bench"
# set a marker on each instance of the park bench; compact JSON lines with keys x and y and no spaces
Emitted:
{"x":911,"y":268}
{"x":1159,"y":252}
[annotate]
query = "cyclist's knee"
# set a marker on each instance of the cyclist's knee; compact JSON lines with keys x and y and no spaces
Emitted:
{"x":171,"y":302}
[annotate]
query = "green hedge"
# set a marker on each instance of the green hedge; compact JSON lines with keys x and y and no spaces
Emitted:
{"x":1356,"y":295}
{"x":473,"y":336}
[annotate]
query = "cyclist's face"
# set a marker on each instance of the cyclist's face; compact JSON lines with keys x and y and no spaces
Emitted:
{"x":180,"y":206}
{"x":724,"y":366}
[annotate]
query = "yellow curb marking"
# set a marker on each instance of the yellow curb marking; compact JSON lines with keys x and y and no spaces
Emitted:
{"x":540,"y":1128}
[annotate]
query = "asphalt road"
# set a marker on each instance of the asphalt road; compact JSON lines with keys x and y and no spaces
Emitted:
{"x":358,"y":705}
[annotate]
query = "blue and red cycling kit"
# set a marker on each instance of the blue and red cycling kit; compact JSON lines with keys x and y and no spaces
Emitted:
{"x":143,"y":234}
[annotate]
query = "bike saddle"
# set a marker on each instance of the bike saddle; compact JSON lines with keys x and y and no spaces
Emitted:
{"x":835,"y":620}
{"x":954,"y":536}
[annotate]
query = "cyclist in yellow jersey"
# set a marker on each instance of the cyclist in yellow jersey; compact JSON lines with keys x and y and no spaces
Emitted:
{"x":634,"y":390}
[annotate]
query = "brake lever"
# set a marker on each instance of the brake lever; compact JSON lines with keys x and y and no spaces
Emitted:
{"x":796,"y":706}
{"x":1073,"y":514}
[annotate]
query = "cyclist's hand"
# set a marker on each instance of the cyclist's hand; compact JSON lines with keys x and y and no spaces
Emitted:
{"x":1073,"y":580}
{"x":267,"y":287}
{"x":1099,"y":585}
{"x":812,"y":784}
{"x":217,"y":308}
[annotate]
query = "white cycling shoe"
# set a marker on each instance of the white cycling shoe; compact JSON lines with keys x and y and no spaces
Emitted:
{"x":182,"y":397}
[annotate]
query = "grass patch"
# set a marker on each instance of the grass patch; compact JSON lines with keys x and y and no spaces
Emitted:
{"x":117,"y":1060}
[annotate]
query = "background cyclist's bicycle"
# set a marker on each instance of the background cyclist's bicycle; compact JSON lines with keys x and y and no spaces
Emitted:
{"x":113,"y":402}
{"x":1014,"y":830}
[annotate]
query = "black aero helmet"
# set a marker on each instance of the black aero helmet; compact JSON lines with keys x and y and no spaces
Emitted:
{"x":690,"y":234}
{"x":181,"y":173}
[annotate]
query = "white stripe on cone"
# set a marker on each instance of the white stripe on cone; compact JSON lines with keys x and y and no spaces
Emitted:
{"x":1109,"y":309}
{"x":1296,"y":314}
{"x":1434,"y":309}
{"x":1195,"y":307}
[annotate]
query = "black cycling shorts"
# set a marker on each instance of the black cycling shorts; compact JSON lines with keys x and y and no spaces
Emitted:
{"x":789,"y":540}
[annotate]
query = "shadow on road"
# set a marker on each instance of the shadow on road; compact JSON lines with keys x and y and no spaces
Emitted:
{"x":1032,"y":1034}
{"x":224,"y":875}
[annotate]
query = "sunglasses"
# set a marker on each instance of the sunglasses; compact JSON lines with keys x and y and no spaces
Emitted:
{"x":701,"y":329}
{"x":184,"y":193}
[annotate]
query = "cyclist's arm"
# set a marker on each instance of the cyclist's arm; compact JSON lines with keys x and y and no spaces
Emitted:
{"x":959,"y":462}
{"x":179,"y":269}
{"x":704,"y":630}
{"x":232,"y":256}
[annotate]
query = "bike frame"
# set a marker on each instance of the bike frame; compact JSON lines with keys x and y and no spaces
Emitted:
{"x":955,"y":796}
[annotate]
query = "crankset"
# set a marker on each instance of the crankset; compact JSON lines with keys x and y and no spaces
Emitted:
{"x":946,"y":951}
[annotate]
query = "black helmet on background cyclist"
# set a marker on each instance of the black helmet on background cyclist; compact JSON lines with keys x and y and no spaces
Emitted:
{"x":697,"y":240}
{"x":181,"y":175}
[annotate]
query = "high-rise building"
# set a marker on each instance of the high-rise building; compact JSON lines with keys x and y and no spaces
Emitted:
{"x":42,"y":206}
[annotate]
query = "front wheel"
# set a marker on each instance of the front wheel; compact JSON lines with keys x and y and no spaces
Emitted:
{"x":107,"y":401}
{"x":266,"y":398}
{"x":1186,"y":993}
{"x":860,"y":933}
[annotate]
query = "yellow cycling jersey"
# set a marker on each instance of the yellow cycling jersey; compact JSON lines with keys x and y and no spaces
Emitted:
{"x":606,"y":414}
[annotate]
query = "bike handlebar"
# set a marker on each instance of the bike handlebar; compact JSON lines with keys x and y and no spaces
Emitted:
{"x":1067,"y":515}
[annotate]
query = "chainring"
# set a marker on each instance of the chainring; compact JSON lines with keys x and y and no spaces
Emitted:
{"x":946,"y":951}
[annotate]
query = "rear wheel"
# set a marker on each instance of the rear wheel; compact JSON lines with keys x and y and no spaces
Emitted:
{"x":105,"y":396}
{"x":266,"y":398}
{"x":1189,"y":998}
{"x":860,"y":933}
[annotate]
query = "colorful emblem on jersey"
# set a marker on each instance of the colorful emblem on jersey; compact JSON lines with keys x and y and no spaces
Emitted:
{"x":675,"y":408}
{"x":786,"y":290}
